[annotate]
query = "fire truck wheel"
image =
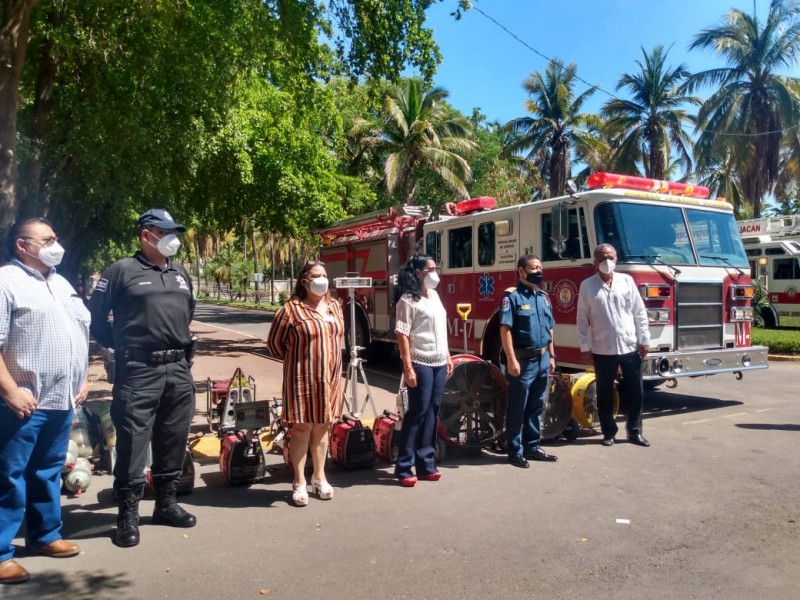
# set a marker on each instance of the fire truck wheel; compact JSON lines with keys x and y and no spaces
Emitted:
{"x":653,"y":384}
{"x":362,"y":339}
{"x":769,"y":318}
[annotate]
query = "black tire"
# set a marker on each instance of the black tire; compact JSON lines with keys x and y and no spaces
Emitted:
{"x":770,"y":322}
{"x":369,"y":352}
{"x":440,"y":451}
{"x":652,"y":384}
{"x":571,"y":431}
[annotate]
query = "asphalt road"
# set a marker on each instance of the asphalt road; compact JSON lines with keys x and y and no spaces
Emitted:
{"x":709,"y":511}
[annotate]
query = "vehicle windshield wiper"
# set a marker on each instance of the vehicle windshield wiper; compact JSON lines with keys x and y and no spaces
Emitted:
{"x":723,"y":259}
{"x":656,"y":258}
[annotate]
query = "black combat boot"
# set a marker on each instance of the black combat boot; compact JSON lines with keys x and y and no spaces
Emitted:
{"x":167,"y":511}
{"x":127,"y":533}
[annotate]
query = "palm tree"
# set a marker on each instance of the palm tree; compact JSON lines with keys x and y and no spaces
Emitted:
{"x":649,"y":126}
{"x":547,"y":139}
{"x":752,"y":104}
{"x":723,"y":180}
{"x":422,"y":132}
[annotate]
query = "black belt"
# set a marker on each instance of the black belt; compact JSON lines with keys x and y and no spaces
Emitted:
{"x":155,"y":357}
{"x":529,"y":352}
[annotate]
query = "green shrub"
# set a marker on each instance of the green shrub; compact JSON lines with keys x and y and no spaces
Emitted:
{"x":780,"y":341}
{"x":282,"y":298}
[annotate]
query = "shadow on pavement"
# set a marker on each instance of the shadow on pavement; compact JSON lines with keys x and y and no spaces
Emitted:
{"x":82,"y":585}
{"x":659,"y":403}
{"x":769,"y":426}
{"x":212,"y":314}
{"x":230,"y":348}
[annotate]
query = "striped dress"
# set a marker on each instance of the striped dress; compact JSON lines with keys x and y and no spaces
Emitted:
{"x":310,"y":345}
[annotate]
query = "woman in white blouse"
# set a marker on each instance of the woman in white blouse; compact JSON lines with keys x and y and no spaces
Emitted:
{"x":421,"y":327}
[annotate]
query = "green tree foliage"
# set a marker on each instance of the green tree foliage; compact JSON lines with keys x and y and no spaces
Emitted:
{"x":649,"y":127}
{"x":557,"y":126}
{"x":211,"y":109}
{"x":367,"y":25}
{"x":422,"y":133}
{"x":507,"y":180}
{"x":751,"y":103}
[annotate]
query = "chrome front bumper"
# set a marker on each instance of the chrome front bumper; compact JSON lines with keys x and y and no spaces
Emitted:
{"x":670,"y":365}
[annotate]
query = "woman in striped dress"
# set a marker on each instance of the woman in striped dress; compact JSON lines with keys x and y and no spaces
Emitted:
{"x":307,"y":334}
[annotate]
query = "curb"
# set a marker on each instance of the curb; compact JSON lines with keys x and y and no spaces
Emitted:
{"x":783,"y":358}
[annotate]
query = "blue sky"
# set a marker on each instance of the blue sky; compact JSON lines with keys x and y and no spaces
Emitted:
{"x":483,"y":66}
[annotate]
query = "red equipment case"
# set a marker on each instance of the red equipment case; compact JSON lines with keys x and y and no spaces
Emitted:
{"x":352,"y":444}
{"x":385,"y":432}
{"x":241,"y":460}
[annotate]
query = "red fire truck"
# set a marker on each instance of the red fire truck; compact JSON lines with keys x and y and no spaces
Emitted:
{"x":682,"y":248}
{"x":772,"y":246}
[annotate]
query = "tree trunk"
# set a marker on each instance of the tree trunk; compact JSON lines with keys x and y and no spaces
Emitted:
{"x":272,"y":268}
{"x":14,"y":37}
{"x":559,"y":168}
{"x":34,"y":201}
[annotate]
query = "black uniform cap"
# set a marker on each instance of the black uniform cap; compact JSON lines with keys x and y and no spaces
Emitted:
{"x":158,"y":217}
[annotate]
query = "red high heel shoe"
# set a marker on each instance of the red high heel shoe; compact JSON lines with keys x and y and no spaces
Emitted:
{"x":435,"y":476}
{"x":408,"y":481}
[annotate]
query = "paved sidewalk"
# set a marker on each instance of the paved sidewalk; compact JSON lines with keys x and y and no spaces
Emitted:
{"x":219,"y":353}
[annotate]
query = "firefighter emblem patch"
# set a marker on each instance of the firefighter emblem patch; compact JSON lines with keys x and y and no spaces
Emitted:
{"x":565,"y":293}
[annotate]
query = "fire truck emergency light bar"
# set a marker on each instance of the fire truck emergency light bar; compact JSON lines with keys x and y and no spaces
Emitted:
{"x":353,"y":282}
{"x":609,"y":180}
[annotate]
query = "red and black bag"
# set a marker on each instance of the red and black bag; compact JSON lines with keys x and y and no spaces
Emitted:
{"x":352,"y":444}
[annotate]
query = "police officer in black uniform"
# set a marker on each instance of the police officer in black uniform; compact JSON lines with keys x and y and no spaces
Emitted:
{"x":152,"y":303}
{"x":526,"y":333}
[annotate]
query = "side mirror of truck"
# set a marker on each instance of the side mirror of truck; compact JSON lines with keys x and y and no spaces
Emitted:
{"x":559,"y":230}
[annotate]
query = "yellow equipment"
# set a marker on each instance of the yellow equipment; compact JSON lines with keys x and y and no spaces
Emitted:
{"x":584,"y":400}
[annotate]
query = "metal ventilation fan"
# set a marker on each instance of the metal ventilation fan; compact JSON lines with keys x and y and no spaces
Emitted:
{"x":473,"y":404}
{"x":584,"y":394}
{"x":557,"y":408}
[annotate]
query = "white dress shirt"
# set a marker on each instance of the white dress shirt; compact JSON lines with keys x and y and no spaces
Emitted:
{"x":611,"y":317}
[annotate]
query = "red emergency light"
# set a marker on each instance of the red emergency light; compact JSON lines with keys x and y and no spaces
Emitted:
{"x":643,"y":184}
{"x":472,"y":205}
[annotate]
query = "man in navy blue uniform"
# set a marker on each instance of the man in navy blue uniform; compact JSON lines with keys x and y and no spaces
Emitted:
{"x":526,"y":333}
{"x":152,"y":303}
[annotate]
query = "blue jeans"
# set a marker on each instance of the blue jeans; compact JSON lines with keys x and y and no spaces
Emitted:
{"x":32,"y":453}
{"x":418,"y":436}
{"x":525,"y":404}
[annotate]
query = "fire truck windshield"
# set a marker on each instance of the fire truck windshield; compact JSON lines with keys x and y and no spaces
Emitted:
{"x":671,"y":235}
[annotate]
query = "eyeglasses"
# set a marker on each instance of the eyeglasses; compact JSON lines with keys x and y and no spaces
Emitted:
{"x":162,"y":232}
{"x":48,"y":241}
{"x":314,"y":263}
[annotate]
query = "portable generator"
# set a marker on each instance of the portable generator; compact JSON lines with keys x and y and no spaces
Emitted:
{"x":352,"y":443}
{"x":242,"y":459}
{"x":385,"y":431}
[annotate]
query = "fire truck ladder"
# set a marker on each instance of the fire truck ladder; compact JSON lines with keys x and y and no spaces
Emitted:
{"x":379,"y":220}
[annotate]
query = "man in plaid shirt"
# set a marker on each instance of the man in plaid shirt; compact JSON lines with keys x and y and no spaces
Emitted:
{"x":44,"y":360}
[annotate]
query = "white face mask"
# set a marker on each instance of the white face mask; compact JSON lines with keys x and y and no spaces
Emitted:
{"x":319,"y":286}
{"x":50,"y":255}
{"x":607,"y":266}
{"x":167,"y":245}
{"x":431,"y":280}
